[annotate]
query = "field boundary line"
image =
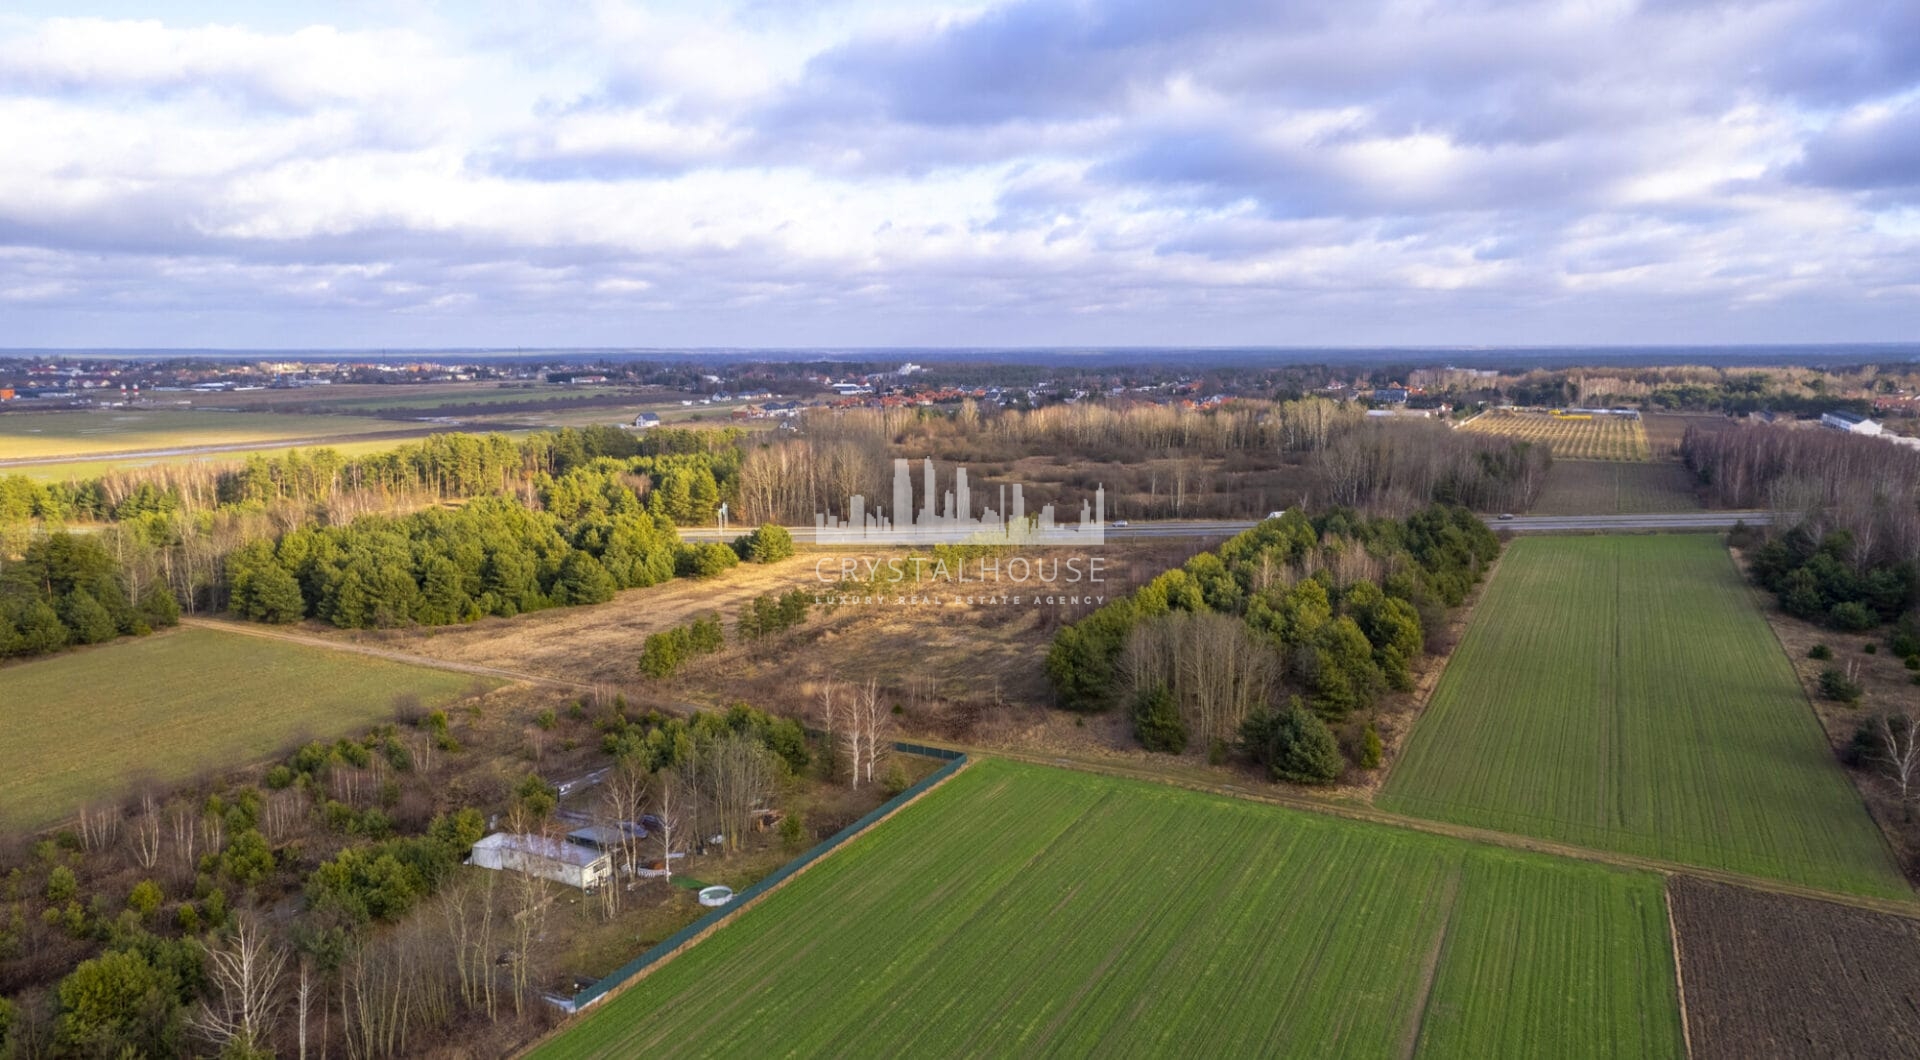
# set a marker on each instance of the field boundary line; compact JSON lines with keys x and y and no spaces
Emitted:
{"x":1906,"y":908}
{"x":1679,"y":977}
{"x":674,"y":945}
{"x":246,"y":629}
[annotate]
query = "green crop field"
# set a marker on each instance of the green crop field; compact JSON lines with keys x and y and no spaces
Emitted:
{"x":1624,"y":693}
{"x":38,"y":435}
{"x":87,"y":724}
{"x":1021,"y":910}
{"x":1594,"y":487}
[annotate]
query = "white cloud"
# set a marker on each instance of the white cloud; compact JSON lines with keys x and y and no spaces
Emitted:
{"x":1038,"y":170}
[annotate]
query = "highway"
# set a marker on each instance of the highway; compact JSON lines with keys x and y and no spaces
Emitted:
{"x":1519,"y":524}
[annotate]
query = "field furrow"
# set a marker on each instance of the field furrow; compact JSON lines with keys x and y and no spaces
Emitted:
{"x":1622,"y":693}
{"x":1021,"y":910}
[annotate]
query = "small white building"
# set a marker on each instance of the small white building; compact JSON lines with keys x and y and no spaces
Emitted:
{"x":1849,"y":422}
{"x":550,"y":859}
{"x":646,"y":421}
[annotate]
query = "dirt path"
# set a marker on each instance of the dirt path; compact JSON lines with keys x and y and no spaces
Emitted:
{"x":249,"y":629}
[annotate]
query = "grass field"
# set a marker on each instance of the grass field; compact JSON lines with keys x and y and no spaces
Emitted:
{"x":34,"y":435}
{"x":1622,"y":693}
{"x":88,"y":724}
{"x":1020,"y":910}
{"x":1607,"y":487}
{"x":85,"y":469}
{"x":1595,"y":438}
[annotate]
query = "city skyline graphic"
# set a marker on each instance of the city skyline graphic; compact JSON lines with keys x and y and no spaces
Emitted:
{"x":948,"y":518}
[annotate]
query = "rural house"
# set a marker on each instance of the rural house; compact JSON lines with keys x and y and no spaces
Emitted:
{"x":550,"y":859}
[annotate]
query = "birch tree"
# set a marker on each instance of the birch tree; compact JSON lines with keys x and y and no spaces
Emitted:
{"x":245,"y":978}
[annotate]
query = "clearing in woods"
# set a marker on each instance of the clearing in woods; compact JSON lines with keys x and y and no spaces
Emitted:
{"x":83,"y":725}
{"x":1025,"y":910}
{"x":1571,"y":437}
{"x":1606,"y":487}
{"x":1622,"y":693}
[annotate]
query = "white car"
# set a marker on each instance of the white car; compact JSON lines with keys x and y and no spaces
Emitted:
{"x":1276,"y":515}
{"x":1117,"y":523}
{"x":1506,"y":516}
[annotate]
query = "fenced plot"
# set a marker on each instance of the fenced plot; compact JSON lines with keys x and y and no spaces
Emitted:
{"x":1623,"y":693}
{"x":1572,"y":437}
{"x":1020,"y":910}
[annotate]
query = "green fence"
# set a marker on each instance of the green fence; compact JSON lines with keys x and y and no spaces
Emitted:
{"x":954,"y":760}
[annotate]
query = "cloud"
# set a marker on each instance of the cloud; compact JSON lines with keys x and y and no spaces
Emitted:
{"x":1020,"y":172}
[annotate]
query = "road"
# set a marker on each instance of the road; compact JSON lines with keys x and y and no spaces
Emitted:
{"x":1519,"y":524}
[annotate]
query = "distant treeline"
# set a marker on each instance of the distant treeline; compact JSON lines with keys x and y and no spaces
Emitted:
{"x":1240,"y":459}
{"x":558,"y":518}
{"x":1844,"y":544}
{"x":1334,"y":609}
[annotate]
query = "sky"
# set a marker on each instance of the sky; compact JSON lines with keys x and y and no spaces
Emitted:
{"x":1025,"y":173}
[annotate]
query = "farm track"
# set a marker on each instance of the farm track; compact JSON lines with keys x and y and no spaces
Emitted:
{"x":250,"y":629}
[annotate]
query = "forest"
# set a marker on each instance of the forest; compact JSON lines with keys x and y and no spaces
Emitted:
{"x":321,"y":907}
{"x":1844,"y":544}
{"x":1285,"y":628}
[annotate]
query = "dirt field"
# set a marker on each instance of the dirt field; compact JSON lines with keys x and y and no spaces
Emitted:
{"x":950,"y":650}
{"x":1768,"y":975}
{"x":1593,"y":487}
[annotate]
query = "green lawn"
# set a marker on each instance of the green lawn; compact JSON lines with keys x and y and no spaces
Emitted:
{"x":86,"y":725}
{"x":1623,"y":693}
{"x":1020,"y":910}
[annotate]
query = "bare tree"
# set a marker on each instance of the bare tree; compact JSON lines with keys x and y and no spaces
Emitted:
{"x":147,"y":831}
{"x":670,"y":794}
{"x":623,"y":798}
{"x":1900,"y":755}
{"x":245,"y":977}
{"x":875,"y":720}
{"x":303,"y":1004}
{"x":740,"y":776}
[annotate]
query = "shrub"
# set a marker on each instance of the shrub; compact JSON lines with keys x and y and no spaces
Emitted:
{"x":1870,"y":648}
{"x":707,"y":559}
{"x":895,"y":780}
{"x":1820,"y":651}
{"x":768,"y":544}
{"x":1852,"y":616}
{"x":1836,"y":685}
{"x":1156,"y":721}
{"x":1371,"y":752}
{"x":145,"y":898}
{"x":1294,"y":745}
{"x":1913,"y":662}
{"x":793,"y":831}
{"x":62,"y":886}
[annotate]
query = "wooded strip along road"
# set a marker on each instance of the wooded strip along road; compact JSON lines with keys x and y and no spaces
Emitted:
{"x":1520,"y":524}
